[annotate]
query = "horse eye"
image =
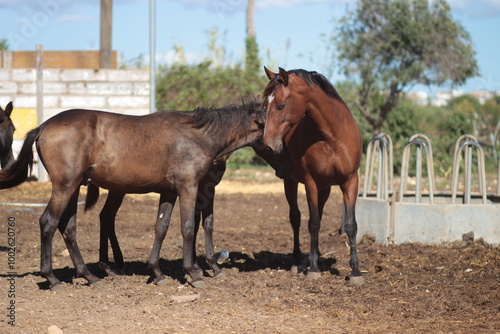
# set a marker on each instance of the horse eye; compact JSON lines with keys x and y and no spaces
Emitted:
{"x":260,"y":125}
{"x":281,"y":106}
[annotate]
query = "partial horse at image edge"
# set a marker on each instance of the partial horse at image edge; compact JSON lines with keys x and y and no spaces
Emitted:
{"x":7,"y":129}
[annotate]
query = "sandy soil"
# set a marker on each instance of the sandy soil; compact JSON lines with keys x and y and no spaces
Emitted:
{"x":410,"y":288}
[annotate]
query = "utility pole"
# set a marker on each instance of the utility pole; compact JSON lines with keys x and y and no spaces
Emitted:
{"x":252,"y":63}
{"x":105,"y":59}
{"x":250,"y":20}
{"x":152,"y":56}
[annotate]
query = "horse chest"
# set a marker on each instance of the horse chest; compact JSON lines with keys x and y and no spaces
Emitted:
{"x":320,"y":163}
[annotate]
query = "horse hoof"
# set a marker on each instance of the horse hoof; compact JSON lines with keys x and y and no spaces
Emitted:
{"x":357,"y":280}
{"x":57,"y":287}
{"x":199,"y":284}
{"x":296,"y":269}
{"x":220,"y":276}
{"x":313,"y":275}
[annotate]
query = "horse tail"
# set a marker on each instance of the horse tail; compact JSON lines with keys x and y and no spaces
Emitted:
{"x":17,"y":173}
{"x":92,"y":196}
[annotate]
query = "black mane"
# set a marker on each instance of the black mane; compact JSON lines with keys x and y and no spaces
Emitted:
{"x":311,"y":78}
{"x":230,"y":118}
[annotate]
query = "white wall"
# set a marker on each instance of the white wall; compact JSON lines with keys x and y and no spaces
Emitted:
{"x":121,"y":91}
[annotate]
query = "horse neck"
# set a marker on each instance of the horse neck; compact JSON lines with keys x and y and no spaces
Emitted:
{"x":224,"y":143}
{"x":7,"y":160}
{"x":332,"y":117}
{"x":230,"y":145}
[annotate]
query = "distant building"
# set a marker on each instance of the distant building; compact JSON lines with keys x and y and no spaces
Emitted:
{"x":420,"y":97}
{"x":482,"y":95}
{"x":442,"y":97}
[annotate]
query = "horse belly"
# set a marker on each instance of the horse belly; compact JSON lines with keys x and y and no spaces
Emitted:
{"x":129,"y":177}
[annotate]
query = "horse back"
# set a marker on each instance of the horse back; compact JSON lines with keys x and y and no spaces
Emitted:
{"x":119,"y":152}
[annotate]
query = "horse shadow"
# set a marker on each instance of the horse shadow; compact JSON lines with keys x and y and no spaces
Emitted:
{"x":274,"y":261}
{"x":172,"y":269}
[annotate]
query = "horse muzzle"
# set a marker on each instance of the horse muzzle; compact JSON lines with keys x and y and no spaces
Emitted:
{"x":275,"y":149}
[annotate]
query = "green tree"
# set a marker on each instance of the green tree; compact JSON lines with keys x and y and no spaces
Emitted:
{"x":4,"y":44}
{"x":491,"y":108}
{"x":388,"y":46}
{"x":467,"y":104}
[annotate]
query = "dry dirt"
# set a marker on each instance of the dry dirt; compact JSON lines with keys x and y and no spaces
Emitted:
{"x":410,"y":288}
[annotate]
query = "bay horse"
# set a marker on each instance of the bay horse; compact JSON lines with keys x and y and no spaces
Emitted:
{"x":306,"y":115}
{"x":204,"y":211}
{"x":167,"y":152}
{"x":7,"y":129}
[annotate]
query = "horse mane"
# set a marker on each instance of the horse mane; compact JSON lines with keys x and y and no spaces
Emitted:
{"x":311,"y":78}
{"x":231,"y":118}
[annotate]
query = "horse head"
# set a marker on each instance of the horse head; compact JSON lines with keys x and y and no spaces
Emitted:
{"x":285,"y":107}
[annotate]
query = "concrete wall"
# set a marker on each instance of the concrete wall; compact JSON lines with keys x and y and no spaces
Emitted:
{"x":121,"y":91}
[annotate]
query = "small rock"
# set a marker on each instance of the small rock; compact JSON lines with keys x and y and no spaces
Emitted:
{"x":65,"y":253}
{"x":184,"y":298}
{"x":54,"y":330}
{"x":468,"y":237}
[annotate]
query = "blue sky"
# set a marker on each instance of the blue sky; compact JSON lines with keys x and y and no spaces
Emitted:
{"x":290,"y":33}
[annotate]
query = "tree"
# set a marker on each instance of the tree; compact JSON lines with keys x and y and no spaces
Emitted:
{"x":4,"y":44}
{"x":467,"y":104}
{"x":388,"y":46}
{"x":491,"y":109}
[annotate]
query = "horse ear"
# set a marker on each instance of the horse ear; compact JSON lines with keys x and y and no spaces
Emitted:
{"x":8,"y":109}
{"x":270,"y":74}
{"x":284,"y":76}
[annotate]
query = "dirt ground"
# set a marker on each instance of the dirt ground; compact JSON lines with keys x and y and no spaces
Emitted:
{"x":410,"y":288}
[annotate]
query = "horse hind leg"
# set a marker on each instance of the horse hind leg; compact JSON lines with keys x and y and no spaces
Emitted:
{"x":61,"y":213}
{"x":349,"y":191}
{"x":48,"y":226}
{"x":107,"y":222}
{"x":67,"y":227}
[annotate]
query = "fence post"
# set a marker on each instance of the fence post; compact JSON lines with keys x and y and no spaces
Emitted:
{"x":39,"y":101}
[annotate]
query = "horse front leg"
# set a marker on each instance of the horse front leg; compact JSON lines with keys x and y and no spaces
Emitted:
{"x":107,"y":221}
{"x":291,"y":187}
{"x":165,"y":207}
{"x":314,"y":225}
{"x":187,"y":199}
{"x":197,"y":219}
{"x":349,"y":190}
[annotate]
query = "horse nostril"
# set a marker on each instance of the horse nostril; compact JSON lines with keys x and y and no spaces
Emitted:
{"x":269,"y":150}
